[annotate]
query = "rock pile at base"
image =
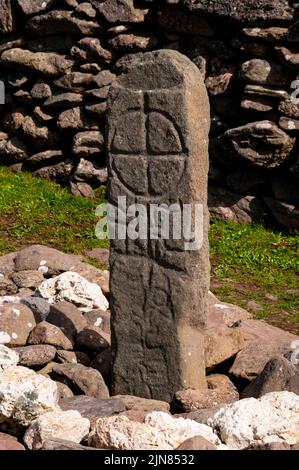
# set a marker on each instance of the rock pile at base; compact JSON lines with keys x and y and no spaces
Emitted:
{"x":55,"y":371}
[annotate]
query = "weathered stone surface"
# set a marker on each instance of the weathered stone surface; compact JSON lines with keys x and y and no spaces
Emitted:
{"x":85,"y":9}
{"x":200,"y":416}
{"x":120,"y":11}
{"x":183,"y":22}
{"x":41,"y":90}
{"x":143,"y":404}
{"x":28,"y":279}
{"x":7,"y":20}
{"x":251,"y":11}
{"x":82,"y":189}
{"x":289,"y":108}
{"x":262,"y":342}
{"x":14,"y":149}
{"x":88,"y":144}
{"x":97,"y":109}
{"x":45,"y":63}
{"x":278,"y":375}
{"x":103,"y":363}
{"x":221,"y":344}
{"x":159,"y":432}
{"x":8,"y":358}
{"x":39,"y":135}
{"x":63,"y":100}
{"x":89,"y":171}
{"x":24,"y":395}
{"x":104,"y":78}
{"x":220,"y":82}
{"x":261,"y":143}
{"x":134,"y":42}
{"x":59,"y":172}
{"x":45,"y":259}
{"x":16,"y":323}
{"x":270,"y":34}
{"x":30,"y":8}
{"x":285,"y":214}
{"x":13,"y":120}
{"x":46,"y":333}
{"x":92,"y":274}
{"x":62,"y":444}
{"x":192,"y":400}
{"x":39,"y":307}
{"x":93,"y":338}
{"x":63,"y":391}
{"x":219,"y":312}
{"x":289,"y":125}
{"x":165,"y":342}
{"x":61,"y":21}
{"x":81,"y":379}
{"x":44,"y":158}
{"x":75,"y":119}
{"x":56,"y":424}
{"x":226,"y":205}
{"x":72,"y":357}
{"x":92,"y":408}
{"x":10,"y":444}
{"x":100,"y":254}
{"x":38,"y":355}
{"x":197,"y":443}
{"x":270,"y":446}
{"x":7,"y":287}
{"x":91,"y":50}
{"x":263,"y":72}
{"x":74,"y":81}
{"x":272,"y":418}
{"x":288,"y":56}
{"x":7,"y":264}
{"x":73,"y":288}
{"x":67,"y":317}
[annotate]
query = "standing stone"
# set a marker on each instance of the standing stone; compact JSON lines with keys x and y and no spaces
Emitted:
{"x":158,"y":123}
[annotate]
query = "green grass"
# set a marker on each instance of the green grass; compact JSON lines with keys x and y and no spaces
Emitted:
{"x":249,"y":262}
{"x":33,"y":210}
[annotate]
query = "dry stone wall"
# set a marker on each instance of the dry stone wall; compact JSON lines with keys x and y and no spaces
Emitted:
{"x":59,"y":57}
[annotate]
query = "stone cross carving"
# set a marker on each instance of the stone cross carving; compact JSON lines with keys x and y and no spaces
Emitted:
{"x":158,"y":123}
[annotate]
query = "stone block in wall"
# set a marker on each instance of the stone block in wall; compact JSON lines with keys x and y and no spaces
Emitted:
{"x":7,"y":18}
{"x":248,"y":11}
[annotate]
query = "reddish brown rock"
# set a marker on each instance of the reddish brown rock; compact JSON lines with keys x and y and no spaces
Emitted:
{"x":81,"y":379}
{"x":133,"y":403}
{"x":93,"y":338}
{"x":196,"y":443}
{"x":67,"y":317}
{"x":93,"y":408}
{"x":38,"y":355}
{"x":46,"y":333}
{"x":16,"y":323}
{"x":262,"y":342}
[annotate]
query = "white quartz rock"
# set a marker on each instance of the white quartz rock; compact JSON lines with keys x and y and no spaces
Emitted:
{"x":160,"y":431}
{"x":8,"y":358}
{"x":68,"y":425}
{"x":25,"y":395}
{"x":72,"y":287}
{"x":271,"y":418}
